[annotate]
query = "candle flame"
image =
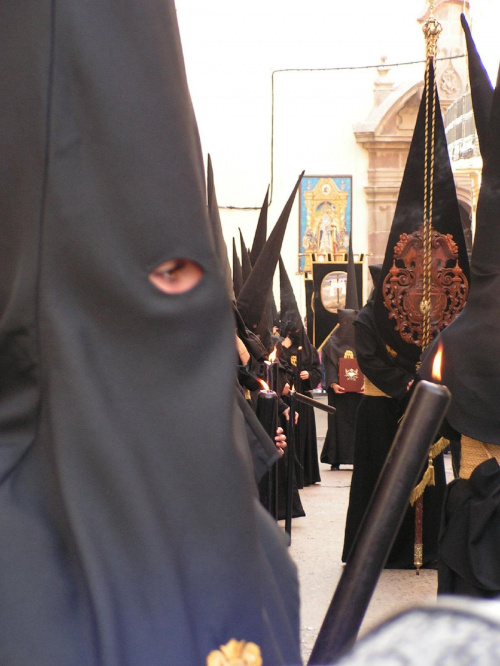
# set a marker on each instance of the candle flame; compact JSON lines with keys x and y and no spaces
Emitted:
{"x":436,"y":364}
{"x":264,"y":385}
{"x":272,"y":355}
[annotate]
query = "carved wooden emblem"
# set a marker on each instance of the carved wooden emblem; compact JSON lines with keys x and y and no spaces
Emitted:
{"x":402,"y":287}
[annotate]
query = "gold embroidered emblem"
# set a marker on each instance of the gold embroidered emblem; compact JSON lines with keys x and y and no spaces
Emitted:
{"x":293,"y":360}
{"x":351,"y":374}
{"x":236,"y":653}
{"x":348,"y":354}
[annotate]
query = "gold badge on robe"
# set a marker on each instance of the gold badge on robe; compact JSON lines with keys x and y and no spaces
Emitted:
{"x":236,"y":653}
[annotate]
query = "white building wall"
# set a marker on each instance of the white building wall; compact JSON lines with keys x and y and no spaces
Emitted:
{"x":232,"y":48}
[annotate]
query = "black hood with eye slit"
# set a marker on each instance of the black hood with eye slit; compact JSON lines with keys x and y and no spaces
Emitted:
{"x":130,"y":530}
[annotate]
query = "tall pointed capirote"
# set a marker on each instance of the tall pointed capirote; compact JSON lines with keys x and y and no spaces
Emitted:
{"x":246,"y":264}
{"x":255,"y":291}
{"x":237,"y":273}
{"x":288,"y":302}
{"x":400,"y":291}
{"x":259,"y":239}
{"x":480,"y":86}
{"x":218,"y":242}
{"x":351,"y":297}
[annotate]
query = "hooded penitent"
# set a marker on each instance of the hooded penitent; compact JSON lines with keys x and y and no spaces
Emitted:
{"x":341,"y":339}
{"x":289,"y":309}
{"x":471,"y":346}
{"x":427,"y":182}
{"x":291,"y":321}
{"x":130,"y":529}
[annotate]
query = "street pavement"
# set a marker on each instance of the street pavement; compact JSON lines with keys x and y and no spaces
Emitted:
{"x":316,"y":547}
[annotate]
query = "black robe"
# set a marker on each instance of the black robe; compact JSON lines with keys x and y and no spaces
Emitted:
{"x":377,"y":422}
{"x":338,"y":447}
{"x":470,"y":535}
{"x":306,"y":440}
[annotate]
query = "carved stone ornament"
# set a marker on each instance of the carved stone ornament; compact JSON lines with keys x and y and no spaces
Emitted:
{"x":402,"y":287}
{"x":236,"y":653}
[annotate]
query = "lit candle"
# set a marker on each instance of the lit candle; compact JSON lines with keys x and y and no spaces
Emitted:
{"x":271,"y":370}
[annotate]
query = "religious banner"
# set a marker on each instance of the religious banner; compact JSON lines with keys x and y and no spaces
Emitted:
{"x":325,"y":213}
{"x":328,"y":295}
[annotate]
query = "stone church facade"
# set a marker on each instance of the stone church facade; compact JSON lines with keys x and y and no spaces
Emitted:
{"x":386,"y":133}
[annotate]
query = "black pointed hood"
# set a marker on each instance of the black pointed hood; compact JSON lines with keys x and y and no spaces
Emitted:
{"x":237,"y":273}
{"x":399,"y":293}
{"x":341,"y":339}
{"x":219,"y":244}
{"x":480,"y":85}
{"x":351,"y":297}
{"x":259,"y":239}
{"x":130,"y":529}
{"x":375,"y":272}
{"x":291,"y":319}
{"x":256,"y":289}
{"x":288,"y":302}
{"x":471,"y":344}
{"x":246,"y":264}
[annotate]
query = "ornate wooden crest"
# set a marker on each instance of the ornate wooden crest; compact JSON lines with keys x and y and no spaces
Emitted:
{"x":402,"y":287}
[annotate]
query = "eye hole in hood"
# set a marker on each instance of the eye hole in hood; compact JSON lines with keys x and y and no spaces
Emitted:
{"x":176,"y":276}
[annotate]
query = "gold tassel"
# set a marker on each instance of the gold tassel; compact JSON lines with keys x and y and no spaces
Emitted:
{"x":429,"y":477}
{"x":438,"y":447}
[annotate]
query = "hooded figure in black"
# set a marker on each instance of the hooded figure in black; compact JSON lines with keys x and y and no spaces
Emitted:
{"x":253,"y":310}
{"x":470,"y":367}
{"x":338,"y":448}
{"x":131,"y":531}
{"x":302,"y":370}
{"x":389,"y":330}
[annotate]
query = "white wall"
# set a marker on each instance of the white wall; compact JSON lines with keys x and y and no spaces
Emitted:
{"x":232,"y":48}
